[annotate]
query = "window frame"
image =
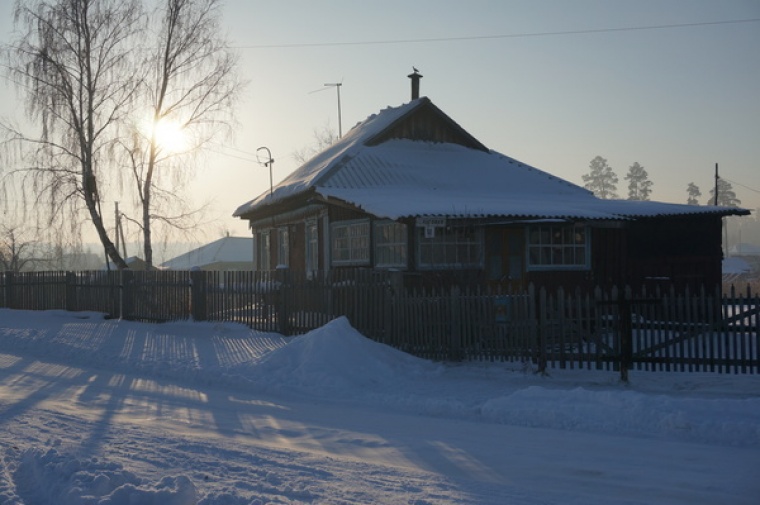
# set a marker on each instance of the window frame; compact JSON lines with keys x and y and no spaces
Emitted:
{"x":283,"y":247}
{"x":380,"y":244}
{"x":311,"y":240}
{"x":554,"y":244}
{"x":362,"y":259}
{"x":476,"y":261}
{"x":263,"y":250}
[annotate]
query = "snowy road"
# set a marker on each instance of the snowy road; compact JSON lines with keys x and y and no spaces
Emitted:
{"x":77,"y":426}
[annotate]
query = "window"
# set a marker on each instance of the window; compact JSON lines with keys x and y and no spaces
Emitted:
{"x":312,"y":246}
{"x":449,"y":247}
{"x":390,"y":244}
{"x":283,"y":248}
{"x":263,"y":257}
{"x":558,"y":247}
{"x":350,"y":242}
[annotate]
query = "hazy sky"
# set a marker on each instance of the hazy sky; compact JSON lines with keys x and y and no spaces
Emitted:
{"x":677,"y":100}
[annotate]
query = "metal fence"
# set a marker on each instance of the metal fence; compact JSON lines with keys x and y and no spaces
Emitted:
{"x":612,"y":330}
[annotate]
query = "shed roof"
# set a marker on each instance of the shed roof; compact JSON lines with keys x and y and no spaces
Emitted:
{"x":226,"y":249}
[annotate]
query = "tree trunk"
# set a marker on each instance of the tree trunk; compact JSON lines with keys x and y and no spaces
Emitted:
{"x":97,"y":221}
{"x":147,"y":186}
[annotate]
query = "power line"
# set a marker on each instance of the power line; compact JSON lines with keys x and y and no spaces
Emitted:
{"x":502,"y":36}
{"x":233,"y":156}
{"x":224,"y":146}
{"x":742,"y":185}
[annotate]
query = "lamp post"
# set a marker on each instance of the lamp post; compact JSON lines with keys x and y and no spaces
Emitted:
{"x":267,"y":163}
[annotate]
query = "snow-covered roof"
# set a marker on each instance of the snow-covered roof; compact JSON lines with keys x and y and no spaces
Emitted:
{"x":133,"y":262}
{"x":406,"y":178}
{"x":227,"y":249}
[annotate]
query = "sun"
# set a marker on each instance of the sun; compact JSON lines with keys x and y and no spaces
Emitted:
{"x":170,"y":136}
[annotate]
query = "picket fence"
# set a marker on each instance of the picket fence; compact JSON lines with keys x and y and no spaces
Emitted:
{"x":612,"y":329}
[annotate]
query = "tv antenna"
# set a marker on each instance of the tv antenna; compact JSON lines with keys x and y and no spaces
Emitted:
{"x":337,"y":86}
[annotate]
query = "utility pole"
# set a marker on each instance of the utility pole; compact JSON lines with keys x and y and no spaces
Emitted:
{"x":723,"y":220}
{"x":716,"y":184}
{"x":120,"y":233}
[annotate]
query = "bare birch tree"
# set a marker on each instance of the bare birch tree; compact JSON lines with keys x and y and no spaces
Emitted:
{"x":73,"y":63}
{"x":102,"y":80}
{"x":190,"y":87}
{"x":18,"y":252}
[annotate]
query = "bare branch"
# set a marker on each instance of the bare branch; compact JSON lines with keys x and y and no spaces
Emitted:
{"x":74,"y":64}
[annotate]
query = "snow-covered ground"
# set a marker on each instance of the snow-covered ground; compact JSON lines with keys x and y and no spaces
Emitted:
{"x":96,"y":411}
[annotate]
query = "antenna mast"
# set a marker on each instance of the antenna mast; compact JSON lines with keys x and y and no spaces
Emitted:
{"x":337,"y":87}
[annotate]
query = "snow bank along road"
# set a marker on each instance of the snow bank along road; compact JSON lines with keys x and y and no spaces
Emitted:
{"x":112,"y":412}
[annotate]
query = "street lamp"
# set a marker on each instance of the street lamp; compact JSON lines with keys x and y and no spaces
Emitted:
{"x":267,"y":163}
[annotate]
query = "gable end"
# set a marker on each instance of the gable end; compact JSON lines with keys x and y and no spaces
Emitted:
{"x":429,"y":124}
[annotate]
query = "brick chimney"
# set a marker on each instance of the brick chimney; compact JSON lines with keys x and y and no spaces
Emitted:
{"x":415,"y":77}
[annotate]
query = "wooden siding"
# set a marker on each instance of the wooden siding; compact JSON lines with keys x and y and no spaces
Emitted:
{"x":340,"y":213}
{"x":297,"y":247}
{"x":683,"y":251}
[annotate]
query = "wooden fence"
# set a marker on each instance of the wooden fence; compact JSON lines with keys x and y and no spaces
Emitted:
{"x":612,"y":330}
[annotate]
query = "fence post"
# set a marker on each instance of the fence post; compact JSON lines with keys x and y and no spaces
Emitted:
{"x":626,"y":333}
{"x":198,"y":295}
{"x":455,"y":349}
{"x":127,"y":294}
{"x":540,"y":338}
{"x":283,"y":317}
{"x":9,"y":290}
{"x":71,"y":292}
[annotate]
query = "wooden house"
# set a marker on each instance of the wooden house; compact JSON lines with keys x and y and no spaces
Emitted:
{"x":410,"y":190}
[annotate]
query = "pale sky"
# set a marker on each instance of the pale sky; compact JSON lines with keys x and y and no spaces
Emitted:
{"x":676,"y":100}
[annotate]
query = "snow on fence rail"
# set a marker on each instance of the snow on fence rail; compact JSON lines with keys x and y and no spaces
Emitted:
{"x":613,"y":329}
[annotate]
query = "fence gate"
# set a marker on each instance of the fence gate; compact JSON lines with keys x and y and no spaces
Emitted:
{"x":578,"y":329}
{"x":694,"y":332}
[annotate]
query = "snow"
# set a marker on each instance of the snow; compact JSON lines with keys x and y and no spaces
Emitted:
{"x":96,"y":411}
{"x":404,"y":178}
{"x":736,"y":266}
{"x":346,"y":147}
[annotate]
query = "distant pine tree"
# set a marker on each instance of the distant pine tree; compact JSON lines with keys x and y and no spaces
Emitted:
{"x":639,"y":185}
{"x":694,"y":194}
{"x":602,"y":180}
{"x":726,"y":195}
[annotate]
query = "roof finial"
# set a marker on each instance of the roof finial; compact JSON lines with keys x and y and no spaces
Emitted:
{"x":415,"y":77}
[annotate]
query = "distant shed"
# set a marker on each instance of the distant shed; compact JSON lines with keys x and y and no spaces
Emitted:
{"x":228,"y":253}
